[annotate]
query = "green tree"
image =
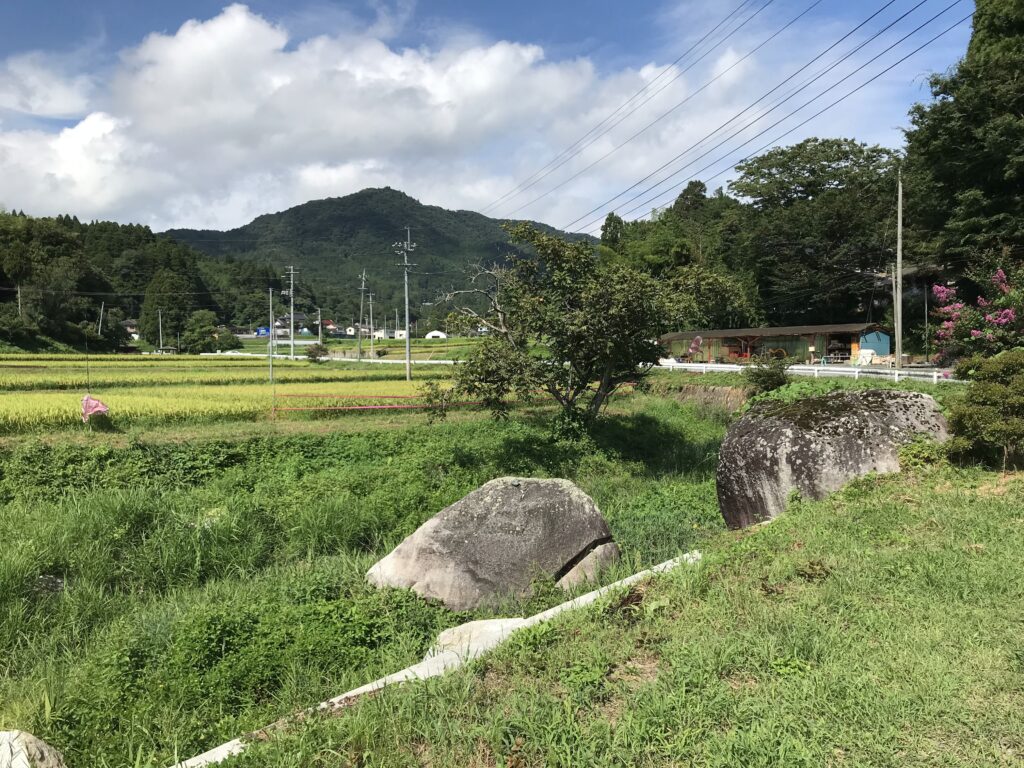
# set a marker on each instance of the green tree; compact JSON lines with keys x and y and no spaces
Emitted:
{"x":965,"y":149}
{"x":565,"y":324}
{"x":168,"y":303}
{"x":200,"y":333}
{"x":822,"y":223}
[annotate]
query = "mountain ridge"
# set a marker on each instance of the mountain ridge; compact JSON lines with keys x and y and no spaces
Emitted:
{"x":332,"y":240}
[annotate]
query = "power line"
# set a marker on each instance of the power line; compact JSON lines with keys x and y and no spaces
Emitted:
{"x":761,"y":98}
{"x":812,"y":117}
{"x":665,"y":114}
{"x":567,"y":154}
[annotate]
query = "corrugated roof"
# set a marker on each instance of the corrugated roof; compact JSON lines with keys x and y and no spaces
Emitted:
{"x":789,"y":330}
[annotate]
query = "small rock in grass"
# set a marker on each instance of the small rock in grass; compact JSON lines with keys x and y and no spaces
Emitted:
{"x":20,"y":749}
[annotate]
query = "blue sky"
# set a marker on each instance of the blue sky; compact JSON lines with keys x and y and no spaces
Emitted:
{"x":207,"y":114}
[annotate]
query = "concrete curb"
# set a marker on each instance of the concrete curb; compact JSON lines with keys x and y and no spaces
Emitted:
{"x":454,"y":647}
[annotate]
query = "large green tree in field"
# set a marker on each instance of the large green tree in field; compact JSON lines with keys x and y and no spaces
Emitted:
{"x":822,"y":221}
{"x":169,"y":302}
{"x":965,"y":149}
{"x":564,"y":323}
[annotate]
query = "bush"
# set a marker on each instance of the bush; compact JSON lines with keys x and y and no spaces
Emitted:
{"x":316,"y":351}
{"x":766,"y":374}
{"x":991,"y":415}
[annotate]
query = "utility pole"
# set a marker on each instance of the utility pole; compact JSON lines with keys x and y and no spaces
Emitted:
{"x":371,"y":326}
{"x":403,"y":250}
{"x":20,"y":315}
{"x":99,"y":325}
{"x":291,"y":311}
{"x":160,"y":326}
{"x":898,"y":277}
{"x":359,"y":327}
{"x":270,"y":342}
{"x":319,"y":326}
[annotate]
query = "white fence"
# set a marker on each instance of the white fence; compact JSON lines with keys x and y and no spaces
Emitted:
{"x":933,"y":375}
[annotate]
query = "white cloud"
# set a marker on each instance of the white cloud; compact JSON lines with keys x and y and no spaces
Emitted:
{"x":231,"y":117}
{"x":30,"y":83}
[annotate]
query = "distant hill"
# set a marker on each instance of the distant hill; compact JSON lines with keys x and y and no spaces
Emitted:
{"x":331,"y":241}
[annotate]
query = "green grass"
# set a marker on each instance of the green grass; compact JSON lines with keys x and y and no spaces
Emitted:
{"x":880,"y":627}
{"x":215,"y":585}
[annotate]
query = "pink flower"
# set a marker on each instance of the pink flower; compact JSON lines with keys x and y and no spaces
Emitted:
{"x":1002,"y":317}
{"x":999,"y":281}
{"x":983,"y":302}
{"x":975,"y":334}
{"x":943,"y":294}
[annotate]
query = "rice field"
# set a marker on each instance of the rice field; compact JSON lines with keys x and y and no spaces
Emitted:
{"x":43,"y":394}
{"x":39,"y":372}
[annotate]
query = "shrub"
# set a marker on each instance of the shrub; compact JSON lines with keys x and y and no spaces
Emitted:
{"x":991,"y":415}
{"x":316,"y":351}
{"x":767,"y":374}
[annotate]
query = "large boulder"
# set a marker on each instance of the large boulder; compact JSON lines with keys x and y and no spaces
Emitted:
{"x":20,"y":749}
{"x":815,"y":446}
{"x":495,"y":541}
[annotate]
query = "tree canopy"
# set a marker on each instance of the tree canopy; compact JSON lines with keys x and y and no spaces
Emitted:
{"x":965,"y":148}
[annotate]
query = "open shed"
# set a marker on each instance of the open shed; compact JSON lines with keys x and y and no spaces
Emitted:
{"x":838,"y":343}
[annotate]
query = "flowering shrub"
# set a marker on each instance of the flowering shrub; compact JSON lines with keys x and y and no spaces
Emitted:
{"x":994,"y":324}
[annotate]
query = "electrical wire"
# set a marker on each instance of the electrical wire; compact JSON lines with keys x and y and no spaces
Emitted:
{"x":665,"y":114}
{"x":567,"y":152}
{"x":817,"y":114}
{"x":763,"y":96}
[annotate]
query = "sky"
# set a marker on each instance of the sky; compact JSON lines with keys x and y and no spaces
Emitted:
{"x":205,"y":114}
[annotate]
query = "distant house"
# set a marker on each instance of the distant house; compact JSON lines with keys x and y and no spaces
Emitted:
{"x":354,"y":330}
{"x":131,"y":327}
{"x":838,"y":343}
{"x":301,"y":319}
{"x":436,"y":335}
{"x":400,"y":333}
{"x":381,"y":333}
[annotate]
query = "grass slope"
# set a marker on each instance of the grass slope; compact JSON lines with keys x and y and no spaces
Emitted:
{"x":881,"y":627}
{"x":212,"y":586}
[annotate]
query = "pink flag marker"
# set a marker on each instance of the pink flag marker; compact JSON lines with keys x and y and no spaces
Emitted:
{"x":91,"y":406}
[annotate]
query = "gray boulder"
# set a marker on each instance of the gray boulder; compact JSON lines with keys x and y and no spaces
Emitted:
{"x":20,"y":749}
{"x":495,"y":541}
{"x":815,"y":446}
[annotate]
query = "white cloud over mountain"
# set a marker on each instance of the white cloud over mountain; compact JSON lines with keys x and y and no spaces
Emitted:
{"x":231,"y":117}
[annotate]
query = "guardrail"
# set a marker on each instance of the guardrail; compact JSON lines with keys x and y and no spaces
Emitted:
{"x":933,"y":375}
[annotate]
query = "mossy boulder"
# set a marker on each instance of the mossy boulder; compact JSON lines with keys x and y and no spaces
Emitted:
{"x":815,"y":446}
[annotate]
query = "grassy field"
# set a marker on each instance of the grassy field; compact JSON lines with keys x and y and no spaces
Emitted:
{"x":881,"y":627}
{"x":159,"y":597}
{"x":197,"y":571}
{"x":391,"y":349}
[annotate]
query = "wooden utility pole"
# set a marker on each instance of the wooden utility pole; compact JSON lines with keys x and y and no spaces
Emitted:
{"x":403,"y":250}
{"x":270,"y":341}
{"x":359,"y":325}
{"x":898,"y":276}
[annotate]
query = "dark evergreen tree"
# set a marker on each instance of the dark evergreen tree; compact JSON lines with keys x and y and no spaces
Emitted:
{"x":966,"y":147}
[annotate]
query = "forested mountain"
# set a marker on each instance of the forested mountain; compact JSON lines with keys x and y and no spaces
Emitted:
{"x":58,"y":274}
{"x":330,"y":242}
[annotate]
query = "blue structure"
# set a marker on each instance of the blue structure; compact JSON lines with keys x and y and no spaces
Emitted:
{"x":877,"y":341}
